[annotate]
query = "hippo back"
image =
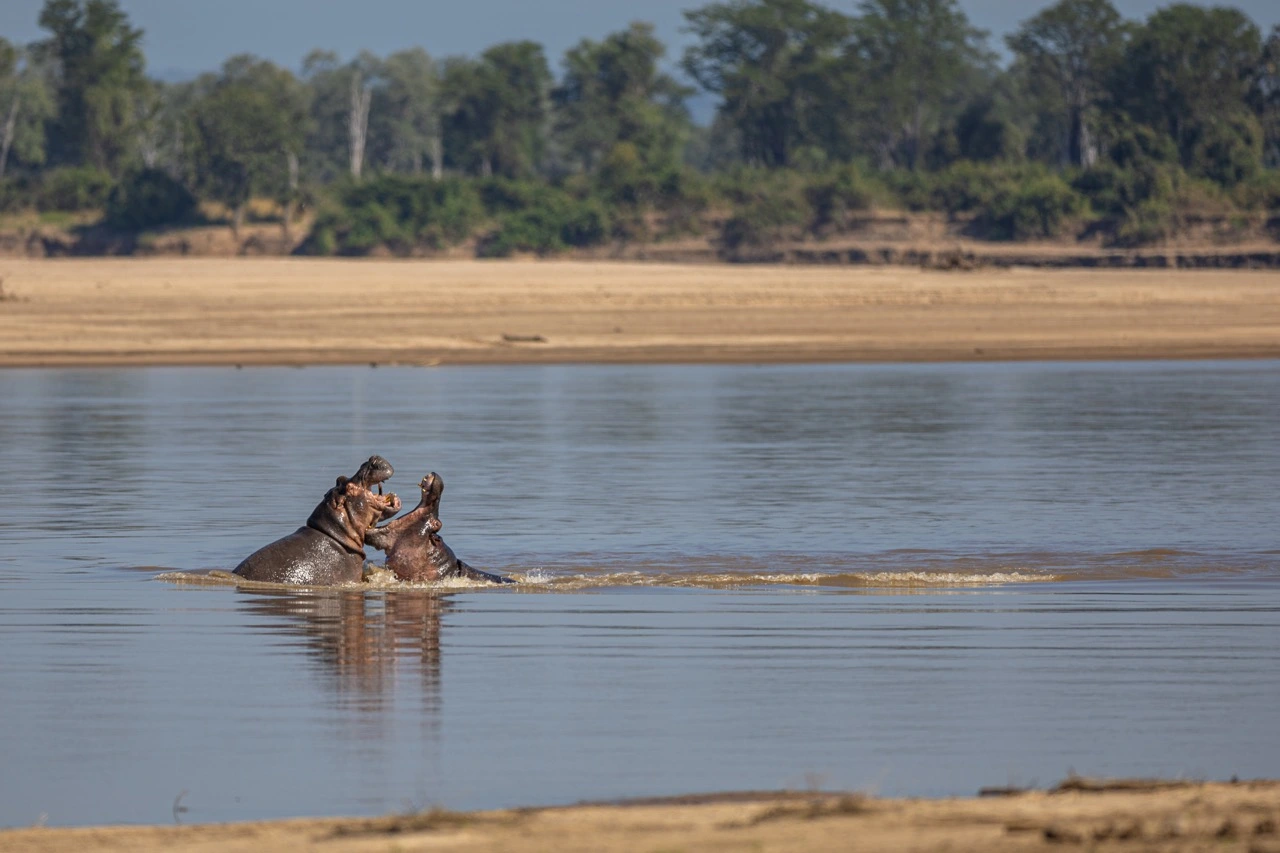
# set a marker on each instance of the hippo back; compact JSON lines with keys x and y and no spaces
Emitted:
{"x":306,"y":557}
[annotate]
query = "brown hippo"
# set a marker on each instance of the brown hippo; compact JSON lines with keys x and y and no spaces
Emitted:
{"x":414,"y":551}
{"x":329,"y":548}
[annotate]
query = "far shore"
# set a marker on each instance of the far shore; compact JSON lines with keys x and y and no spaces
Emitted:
{"x":295,"y":311}
{"x":1126,"y":815}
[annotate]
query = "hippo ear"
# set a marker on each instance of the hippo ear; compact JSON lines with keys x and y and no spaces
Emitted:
{"x":338,"y":493}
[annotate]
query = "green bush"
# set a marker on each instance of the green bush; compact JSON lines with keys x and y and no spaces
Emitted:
{"x":1037,"y":208}
{"x":70,"y":189}
{"x":508,"y":195}
{"x":1261,"y":192}
{"x":839,"y":195}
{"x":913,"y":190}
{"x":148,"y":199}
{"x":684,"y":196}
{"x":1229,"y":152}
{"x":966,"y":186}
{"x":556,"y":222}
{"x":401,"y":214}
{"x":15,"y":195}
{"x":1151,"y":221}
{"x":1113,"y":189}
{"x":768,"y":207}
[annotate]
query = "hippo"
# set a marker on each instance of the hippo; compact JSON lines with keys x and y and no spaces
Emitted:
{"x":329,"y":548}
{"x":414,"y":551}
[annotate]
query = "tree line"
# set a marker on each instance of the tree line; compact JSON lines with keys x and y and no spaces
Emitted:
{"x":820,"y":115}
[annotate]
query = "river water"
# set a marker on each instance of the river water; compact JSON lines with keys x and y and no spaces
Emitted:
{"x":909,"y":580}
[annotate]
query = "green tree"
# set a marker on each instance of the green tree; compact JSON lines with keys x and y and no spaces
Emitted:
{"x":404,"y":121}
{"x":341,"y":102}
{"x":1068,"y":52}
{"x":1267,"y":97}
{"x":495,"y":123}
{"x":914,"y":65}
{"x":1188,"y":72}
{"x":612,"y":92}
{"x":26,"y":103}
{"x":246,"y":130}
{"x":773,"y":63}
{"x":100,"y":78}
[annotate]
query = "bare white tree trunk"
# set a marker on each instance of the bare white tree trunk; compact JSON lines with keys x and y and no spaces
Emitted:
{"x":358,"y":122}
{"x":1088,"y":150}
{"x":286,"y":216}
{"x":437,"y":157}
{"x":149,"y":147}
{"x":10,"y":123}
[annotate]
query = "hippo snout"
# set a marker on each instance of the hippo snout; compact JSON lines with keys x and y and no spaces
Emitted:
{"x":375,"y":470}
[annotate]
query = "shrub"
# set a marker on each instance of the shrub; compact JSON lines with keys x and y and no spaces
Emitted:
{"x":557,"y":221}
{"x":401,"y":214}
{"x":768,"y":207}
{"x":1261,"y":192}
{"x":683,"y":198}
{"x":1151,"y":221}
{"x":148,"y":199}
{"x":69,"y":189}
{"x":837,"y":196}
{"x":1113,"y":189}
{"x":1037,"y":208}
{"x":966,"y":186}
{"x":15,"y":195}
{"x":1228,"y":152}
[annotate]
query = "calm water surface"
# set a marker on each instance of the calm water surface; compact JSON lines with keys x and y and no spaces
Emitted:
{"x":908,"y":579}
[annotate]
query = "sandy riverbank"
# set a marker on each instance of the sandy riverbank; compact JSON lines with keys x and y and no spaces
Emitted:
{"x":1221,"y":817}
{"x":305,"y":311}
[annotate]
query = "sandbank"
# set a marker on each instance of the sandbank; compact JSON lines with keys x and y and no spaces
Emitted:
{"x":295,"y":311}
{"x":1128,"y":816}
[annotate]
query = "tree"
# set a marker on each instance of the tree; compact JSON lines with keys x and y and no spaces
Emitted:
{"x":1266,"y":97}
{"x":100,"y":76}
{"x":405,"y":130}
{"x":246,"y":129}
{"x":914,"y":64}
{"x":1068,"y":51}
{"x":612,"y":92}
{"x":772,"y":63}
{"x":1189,"y":72}
{"x":496,"y":120}
{"x":341,"y":100}
{"x":26,"y":102}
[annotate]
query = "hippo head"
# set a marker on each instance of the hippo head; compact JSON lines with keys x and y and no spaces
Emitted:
{"x":351,"y":508}
{"x":423,"y":520}
{"x":432,"y":487}
{"x":374,"y":471}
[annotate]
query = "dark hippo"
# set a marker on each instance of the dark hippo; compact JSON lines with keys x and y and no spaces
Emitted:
{"x":414,"y":551}
{"x":329,"y":548}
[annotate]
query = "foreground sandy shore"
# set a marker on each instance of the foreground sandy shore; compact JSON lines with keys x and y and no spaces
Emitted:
{"x":1219,"y":817}
{"x":303,"y":311}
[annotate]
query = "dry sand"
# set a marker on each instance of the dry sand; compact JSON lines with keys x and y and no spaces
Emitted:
{"x":1219,"y":817}
{"x":304,"y":311}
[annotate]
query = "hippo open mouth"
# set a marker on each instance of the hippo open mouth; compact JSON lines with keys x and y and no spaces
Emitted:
{"x":372,"y":473}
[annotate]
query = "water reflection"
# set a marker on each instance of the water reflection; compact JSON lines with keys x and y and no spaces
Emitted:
{"x":359,"y":641}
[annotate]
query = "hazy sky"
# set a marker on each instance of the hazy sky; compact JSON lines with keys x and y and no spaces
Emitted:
{"x":197,"y":35}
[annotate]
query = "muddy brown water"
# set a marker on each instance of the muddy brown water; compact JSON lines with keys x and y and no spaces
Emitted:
{"x":912,"y":580}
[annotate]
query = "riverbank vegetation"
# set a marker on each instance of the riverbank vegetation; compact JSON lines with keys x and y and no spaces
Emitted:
{"x":1125,"y":133}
